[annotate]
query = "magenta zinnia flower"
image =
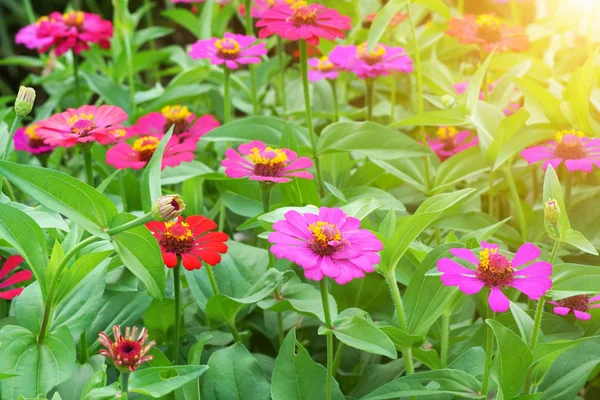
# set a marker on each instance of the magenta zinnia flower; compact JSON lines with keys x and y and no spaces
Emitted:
{"x":232,"y":50}
{"x":497,"y":272}
{"x":10,"y":264}
{"x":136,"y":156}
{"x":36,"y":36}
{"x":82,"y":125}
{"x":579,"y":153}
{"x":328,"y":244}
{"x":301,"y":20}
{"x":577,"y":305}
{"x":127,"y":352}
{"x":263,"y":163}
{"x":28,"y":139}
{"x":322,"y":68}
{"x":449,"y":141}
{"x":382,"y":61}
{"x":187,"y":125}
{"x":260,"y":6}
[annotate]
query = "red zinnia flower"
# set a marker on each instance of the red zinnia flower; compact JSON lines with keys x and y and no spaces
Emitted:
{"x":126,"y":352}
{"x":11,"y":263}
{"x":191,"y":240}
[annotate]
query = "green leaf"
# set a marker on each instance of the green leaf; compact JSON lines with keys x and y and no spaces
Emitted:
{"x":75,"y":386}
{"x":514,"y":359}
{"x":29,"y":308}
{"x":576,"y":238}
{"x":539,"y":98}
{"x":82,"y":266}
{"x":579,"y":90}
{"x":40,"y":367}
{"x":96,"y":381}
{"x":435,"y":5}
{"x":475,"y":85}
{"x":22,"y":233}
{"x":526,"y":137}
{"x":569,"y":384}
{"x":62,"y":193}
{"x":140,"y":253}
{"x":112,"y":92}
{"x":554,"y":349}
{"x":460,"y":167}
{"x":233,"y":373}
{"x":151,"y":187}
{"x":265,"y":129}
{"x":160,"y":381}
{"x":185,"y":18}
{"x":524,"y":322}
{"x":361,"y":208}
{"x":296,"y":376}
{"x":507,"y":130}
{"x":456,"y":116}
{"x":382,"y":20}
{"x":574,"y":279}
{"x":401,"y":339}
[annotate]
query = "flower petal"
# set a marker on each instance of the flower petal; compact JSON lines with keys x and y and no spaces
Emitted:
{"x":498,"y":301}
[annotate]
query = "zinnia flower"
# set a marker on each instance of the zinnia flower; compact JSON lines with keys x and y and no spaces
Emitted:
{"x":328,"y":244}
{"x":27,"y":139}
{"x":187,"y":125}
{"x":21,"y":276}
{"x":497,"y":272}
{"x":577,"y":305}
{"x":192,"y":240}
{"x":488,"y":33}
{"x":449,"y":141}
{"x":301,"y":20}
{"x":396,"y":20}
{"x":82,"y":125}
{"x":232,"y":50}
{"x":382,"y":61}
{"x":579,"y":153}
{"x":322,"y":68}
{"x":263,"y":163}
{"x":127,"y":352}
{"x":36,"y":36}
{"x":136,"y":156}
{"x":260,"y":6}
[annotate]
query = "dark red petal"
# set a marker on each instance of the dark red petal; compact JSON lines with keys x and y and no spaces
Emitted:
{"x":209,"y":257}
{"x":156,"y":227}
{"x":10,"y":264}
{"x":212,"y":237}
{"x":10,"y":294}
{"x":199,"y":224}
{"x":170,"y":259}
{"x":190,"y":262}
{"x":219,"y":247}
{"x":20,"y":276}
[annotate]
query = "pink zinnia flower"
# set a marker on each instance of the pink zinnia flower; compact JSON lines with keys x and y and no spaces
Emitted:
{"x":82,"y":125}
{"x":27,"y":139}
{"x":301,"y":20}
{"x":260,"y":6}
{"x":263,"y":163}
{"x":136,"y":156}
{"x":232,"y":50}
{"x":449,"y":141}
{"x":36,"y":35}
{"x":579,"y":153}
{"x":497,"y":272}
{"x":127,"y":352}
{"x":322,"y":68}
{"x":187,"y":125}
{"x":382,"y":61}
{"x":577,"y":305}
{"x":328,"y":244}
{"x":10,"y":264}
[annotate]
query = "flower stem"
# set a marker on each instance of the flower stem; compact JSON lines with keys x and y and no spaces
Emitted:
{"x":568,"y":188}
{"x":393,"y":100}
{"x":178,"y":316}
{"x":123,"y":190}
{"x":370,"y":83}
{"x":144,"y":219}
{"x":89,"y":169}
{"x":281,"y":58}
{"x":235,"y":332}
{"x":52,"y":288}
{"x":15,"y":125}
{"x":266,"y":197}
{"x":491,"y":194}
{"x":489,"y":350}
{"x":124,"y":386}
{"x":338,"y":357}
{"x":130,"y":73}
{"x":213,"y":281}
{"x":29,"y":11}
{"x":445,"y":337}
{"x":83,"y":354}
{"x":309,"y":121}
{"x":227,"y":96}
{"x":419,"y":72}
{"x":516,"y":200}
{"x":329,"y":325}
{"x":76,"y":77}
{"x":336,"y":105}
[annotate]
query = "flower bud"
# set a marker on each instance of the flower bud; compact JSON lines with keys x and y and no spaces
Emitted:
{"x":448,"y":101}
{"x":551,"y":211}
{"x":24,"y":101}
{"x":168,"y":208}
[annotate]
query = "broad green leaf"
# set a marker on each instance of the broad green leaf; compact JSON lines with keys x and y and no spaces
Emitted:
{"x":29,"y":308}
{"x":233,"y":373}
{"x":574,"y":279}
{"x":140,"y":253}
{"x":456,"y":116}
{"x":402,"y":339}
{"x":45,"y":218}
{"x":579,"y":90}
{"x":265,"y":129}
{"x":538,"y":97}
{"x":296,"y":376}
{"x":96,"y":381}
{"x":361,"y":208}
{"x":460,"y":167}
{"x":527,"y":137}
{"x":475,"y":86}
{"x":507,"y":130}
{"x":160,"y":381}
{"x":73,"y":388}
{"x":112,"y":92}
{"x":62,"y":193}
{"x":576,"y":238}
{"x":554,"y":349}
{"x":22,"y":232}
{"x":185,"y":18}
{"x":82,"y":266}
{"x":151,"y":187}
{"x":524,"y":322}
{"x":383,"y":19}
{"x":435,"y":5}
{"x":569,"y":384}
{"x":191,"y":390}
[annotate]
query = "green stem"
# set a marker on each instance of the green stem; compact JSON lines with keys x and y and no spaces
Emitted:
{"x":568,"y":188}
{"x":235,"y":333}
{"x":370,"y":83}
{"x":213,"y":281}
{"x":393,"y":100}
{"x":222,"y":217}
{"x":83,"y":354}
{"x":178,"y":315}
{"x":9,"y":190}
{"x":227,"y":96}
{"x":336,"y":106}
{"x":124,"y":386}
{"x":491,"y":194}
{"x":52,"y":288}
{"x":76,"y":77}
{"x":489,"y":350}
{"x":123,"y":190}
{"x":280,"y":327}
{"x":421,"y":102}
{"x":338,"y":357}
{"x":266,"y":197}
{"x":89,"y":170}
{"x":154,"y":74}
{"x":15,"y":125}
{"x":249,"y":24}
{"x":309,"y":121}
{"x":329,"y":325}
{"x":516,"y":201}
{"x":29,"y":11}
{"x":4,"y":307}
{"x":281,"y":58}
{"x":130,"y":73}
{"x":534,"y":180}
{"x":144,"y":219}
{"x":514,"y":12}
{"x":445,"y":338}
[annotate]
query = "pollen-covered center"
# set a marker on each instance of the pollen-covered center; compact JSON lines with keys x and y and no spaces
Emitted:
{"x":145,"y":147}
{"x":447,"y":134}
{"x":570,"y":145}
{"x":327,"y":238}
{"x":325,"y":65}
{"x":178,"y":237}
{"x":82,"y":124}
{"x":74,"y":18}
{"x":34,"y":140}
{"x":127,"y":351}
{"x":579,"y":303}
{"x":227,"y":48}
{"x":268,"y":162}
{"x":371,"y":57}
{"x":494,"y":269}
{"x":176,"y":115}
{"x":488,"y":28}
{"x":303,"y":14}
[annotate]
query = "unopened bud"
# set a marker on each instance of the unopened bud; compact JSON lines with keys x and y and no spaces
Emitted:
{"x":551,"y":211}
{"x":168,"y":208}
{"x":448,"y":101}
{"x":24,"y":102}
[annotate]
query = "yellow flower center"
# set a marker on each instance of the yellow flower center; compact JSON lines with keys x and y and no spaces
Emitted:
{"x":227,"y":47}
{"x":268,"y":156}
{"x":81,"y":124}
{"x":494,"y":269}
{"x":324,"y":232}
{"x":179,"y":231}
{"x":560,"y":136}
{"x":74,"y":18}
{"x":446,"y":132}
{"x":176,"y":113}
{"x":488,"y":27}
{"x":145,"y":147}
{"x":488,"y":21}
{"x":569,"y":145}
{"x":325,"y":65}
{"x":303,"y":13}
{"x":372,"y":57}
{"x":31,"y":131}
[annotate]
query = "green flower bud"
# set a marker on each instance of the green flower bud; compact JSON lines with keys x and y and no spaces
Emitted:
{"x":168,"y":208}
{"x":448,"y":101}
{"x":551,"y":211}
{"x":24,"y":102}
